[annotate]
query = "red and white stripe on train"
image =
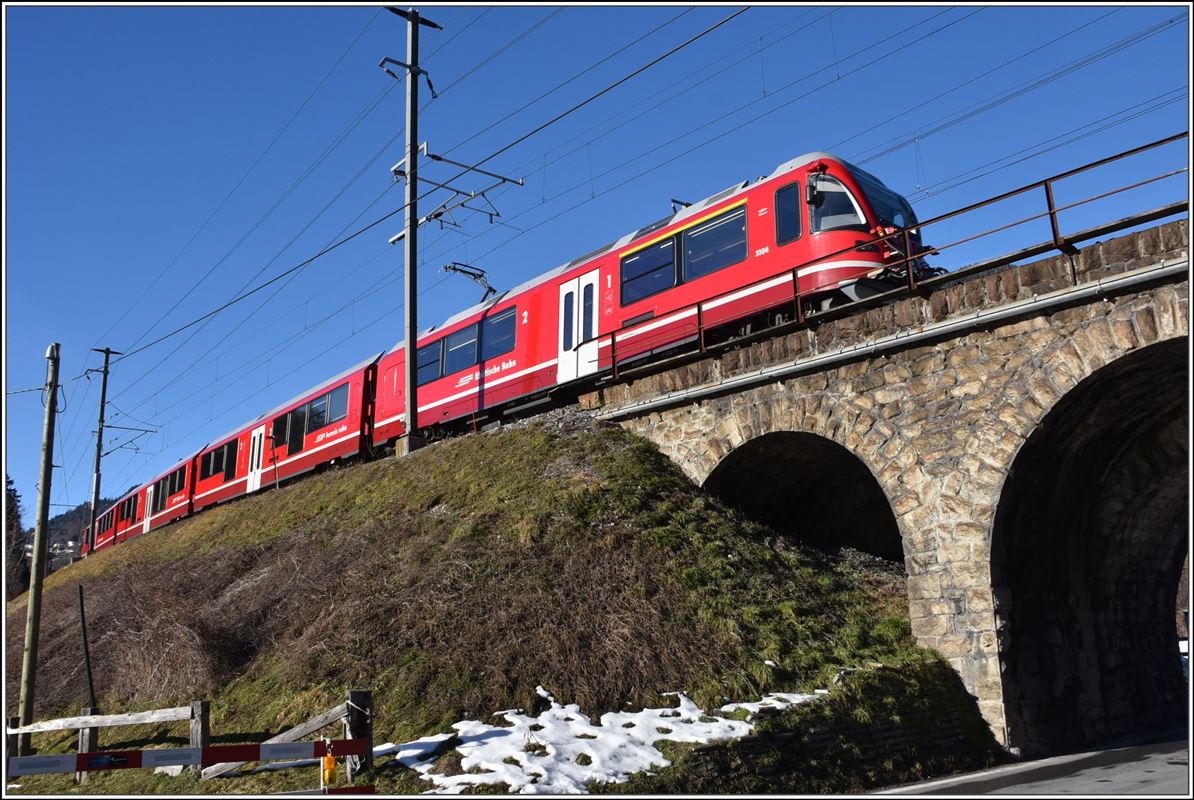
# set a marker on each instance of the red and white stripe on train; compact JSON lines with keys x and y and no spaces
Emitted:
{"x":815,"y":219}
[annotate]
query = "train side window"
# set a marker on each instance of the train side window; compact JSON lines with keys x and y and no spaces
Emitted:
{"x":586,"y":313}
{"x":568,"y":326}
{"x":460,"y":350}
{"x":497,"y":334}
{"x":177,"y":479}
{"x":338,"y":403}
{"x":212,"y":464}
{"x":787,"y":214}
{"x":428,"y":367}
{"x":297,"y":430}
{"x":277,"y":435}
{"x":317,"y":413}
{"x":159,"y":495}
{"x":836,"y":208}
{"x":648,"y":271}
{"x":230,"y":459}
{"x":716,"y":244}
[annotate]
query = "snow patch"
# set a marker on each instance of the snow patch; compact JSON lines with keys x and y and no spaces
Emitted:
{"x":777,"y":702}
{"x":562,"y":750}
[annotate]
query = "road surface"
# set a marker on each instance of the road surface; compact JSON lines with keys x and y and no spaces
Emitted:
{"x":1158,"y":768}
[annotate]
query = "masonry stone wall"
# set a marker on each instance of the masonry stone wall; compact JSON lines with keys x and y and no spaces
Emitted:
{"x":939,"y":424}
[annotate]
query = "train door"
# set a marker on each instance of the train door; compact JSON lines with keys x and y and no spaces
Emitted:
{"x":256,"y":451}
{"x":578,"y":328}
{"x":148,"y":508}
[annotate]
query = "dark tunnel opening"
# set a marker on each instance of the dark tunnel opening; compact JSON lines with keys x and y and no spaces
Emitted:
{"x":1088,"y":547}
{"x":810,"y":488}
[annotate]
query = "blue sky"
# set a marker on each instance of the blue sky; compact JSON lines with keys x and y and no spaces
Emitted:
{"x":158,"y":161}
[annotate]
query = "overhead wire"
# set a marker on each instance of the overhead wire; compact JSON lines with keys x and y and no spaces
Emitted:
{"x":814,"y":73}
{"x":567,"y":81}
{"x":1105,"y":52}
{"x":472,"y":70}
{"x":286,"y":126}
{"x":1155,"y":103}
{"x":360,"y":116}
{"x":294,"y":185}
{"x":378,"y":221}
{"x":707,"y":141}
{"x":992,"y":102}
{"x":538,"y":129}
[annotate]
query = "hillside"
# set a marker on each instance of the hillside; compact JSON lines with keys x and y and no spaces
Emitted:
{"x":559,"y":552}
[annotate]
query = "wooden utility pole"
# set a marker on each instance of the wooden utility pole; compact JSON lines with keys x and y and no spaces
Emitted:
{"x":99,"y":452}
{"x":40,"y":535}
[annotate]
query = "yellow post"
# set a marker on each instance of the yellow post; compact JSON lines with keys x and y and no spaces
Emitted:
{"x":328,"y":773}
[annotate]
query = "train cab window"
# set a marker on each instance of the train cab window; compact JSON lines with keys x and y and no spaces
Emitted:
{"x":460,"y":350}
{"x":428,"y":367}
{"x":889,"y":207}
{"x":648,"y":271}
{"x":567,"y":324}
{"x":715,"y":244}
{"x":787,"y":214}
{"x":338,"y":403}
{"x":497,"y":334}
{"x":836,"y":208}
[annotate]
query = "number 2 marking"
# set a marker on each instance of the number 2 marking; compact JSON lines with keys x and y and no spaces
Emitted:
{"x":524,"y":317}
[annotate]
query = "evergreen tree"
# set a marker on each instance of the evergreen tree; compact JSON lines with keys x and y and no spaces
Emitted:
{"x":16,"y":566}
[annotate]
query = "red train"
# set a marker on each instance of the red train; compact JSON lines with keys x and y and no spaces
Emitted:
{"x":817,"y":231}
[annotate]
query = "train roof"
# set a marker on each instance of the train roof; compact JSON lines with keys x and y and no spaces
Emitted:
{"x":295,"y":399}
{"x":337,"y":377}
{"x":684,"y":213}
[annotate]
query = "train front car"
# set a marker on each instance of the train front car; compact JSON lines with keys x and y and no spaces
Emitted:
{"x":856,"y":243}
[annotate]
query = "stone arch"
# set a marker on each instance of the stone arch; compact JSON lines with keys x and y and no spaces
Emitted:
{"x":1087,"y":545}
{"x":812,"y":487}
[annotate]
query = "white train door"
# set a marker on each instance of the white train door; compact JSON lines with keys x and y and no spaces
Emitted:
{"x":148,"y":508}
{"x":578,"y":328}
{"x":256,"y":457}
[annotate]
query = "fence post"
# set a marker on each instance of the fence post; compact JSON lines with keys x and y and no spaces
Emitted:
{"x":13,"y":722}
{"x":360,"y":723}
{"x":200,"y":733}
{"x":88,"y":741}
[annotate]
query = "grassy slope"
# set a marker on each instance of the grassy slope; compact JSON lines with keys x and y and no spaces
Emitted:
{"x":451,"y":583}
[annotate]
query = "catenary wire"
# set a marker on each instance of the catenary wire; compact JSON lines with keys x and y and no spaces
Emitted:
{"x":377,"y":222}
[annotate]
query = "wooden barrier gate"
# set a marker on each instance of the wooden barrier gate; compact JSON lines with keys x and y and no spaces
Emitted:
{"x":356,"y":712}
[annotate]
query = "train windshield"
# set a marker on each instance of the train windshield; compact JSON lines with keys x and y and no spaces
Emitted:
{"x":889,"y":207}
{"x":836,"y":208}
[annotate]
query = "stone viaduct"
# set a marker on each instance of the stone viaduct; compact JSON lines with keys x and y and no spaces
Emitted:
{"x":1019,"y":437}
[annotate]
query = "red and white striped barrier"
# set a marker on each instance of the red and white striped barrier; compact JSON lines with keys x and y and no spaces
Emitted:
{"x":180,"y":756}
